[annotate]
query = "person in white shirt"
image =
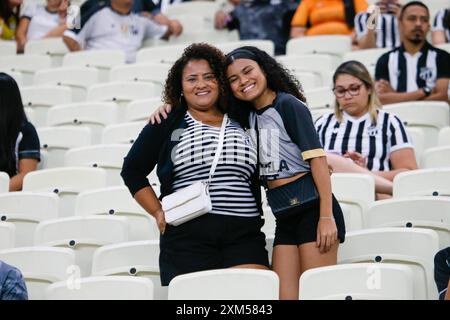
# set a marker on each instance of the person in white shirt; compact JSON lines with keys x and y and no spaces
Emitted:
{"x":115,"y":27}
{"x":39,"y":21}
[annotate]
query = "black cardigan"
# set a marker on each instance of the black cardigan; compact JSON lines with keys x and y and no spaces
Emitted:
{"x":154,"y":147}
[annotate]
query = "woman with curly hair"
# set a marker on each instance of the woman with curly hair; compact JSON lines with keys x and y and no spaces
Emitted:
{"x":183,"y":147}
{"x":293,"y":166}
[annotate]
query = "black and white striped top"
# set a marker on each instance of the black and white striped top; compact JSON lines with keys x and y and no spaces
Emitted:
{"x":439,"y":25}
{"x":407,"y":72}
{"x":386,"y":30}
{"x":230,"y":187}
{"x":376,"y":142}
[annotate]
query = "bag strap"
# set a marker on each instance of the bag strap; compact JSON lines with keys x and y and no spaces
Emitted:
{"x":219,"y":148}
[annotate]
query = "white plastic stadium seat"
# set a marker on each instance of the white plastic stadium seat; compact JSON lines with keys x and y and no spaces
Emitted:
{"x":42,"y":266}
{"x":26,"y":64}
{"x":66,"y":182}
{"x":26,"y":210}
{"x":320,"y":64}
{"x":437,"y":157}
{"x":123,"y":133}
{"x":7,"y":235}
{"x":417,"y":136}
{"x":103,"y":60}
{"x":320,"y":98}
{"x":53,"y":47}
{"x":7,"y":48}
{"x":144,"y":72}
{"x":359,"y":281}
{"x":92,"y":115}
{"x":102,"y":288}
{"x":41,"y":98}
{"x":357,"y":192}
{"x":367,"y":57}
{"x":138,"y":110}
{"x":4,"y":182}
{"x":77,"y":78}
{"x":225,"y":284}
{"x":332,"y":44}
{"x":137,"y":258}
{"x":411,"y":246}
{"x":308,"y":80}
{"x":83,"y":235}
{"x":57,"y":140}
{"x":444,"y":137}
{"x":160,"y":54}
{"x":430,"y":116}
{"x":106,"y":156}
{"x":423,"y":182}
{"x":118,"y":201}
{"x":123,"y":92}
{"x":418,"y":212}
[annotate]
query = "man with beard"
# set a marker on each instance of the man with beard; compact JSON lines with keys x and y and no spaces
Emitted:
{"x":416,"y":70}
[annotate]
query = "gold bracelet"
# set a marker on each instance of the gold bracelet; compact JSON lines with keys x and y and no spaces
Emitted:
{"x":327,"y":218}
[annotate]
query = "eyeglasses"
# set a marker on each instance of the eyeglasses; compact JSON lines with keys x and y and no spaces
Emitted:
{"x":353,"y":90}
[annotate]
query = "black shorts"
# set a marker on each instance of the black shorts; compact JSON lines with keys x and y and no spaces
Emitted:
{"x":296,"y":228}
{"x":212,"y":241}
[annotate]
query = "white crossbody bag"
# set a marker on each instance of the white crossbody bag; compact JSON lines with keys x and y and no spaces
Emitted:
{"x":194,"y":200}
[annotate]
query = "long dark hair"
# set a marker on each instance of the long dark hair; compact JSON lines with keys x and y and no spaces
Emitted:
{"x":6,"y":12}
{"x":12,"y":117}
{"x":197,"y":51}
{"x":279,"y":79}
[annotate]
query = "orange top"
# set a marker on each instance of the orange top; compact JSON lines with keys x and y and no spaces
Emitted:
{"x":324,"y":16}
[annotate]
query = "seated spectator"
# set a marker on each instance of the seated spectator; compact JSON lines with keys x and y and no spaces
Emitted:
{"x":416,"y":70}
{"x":326,"y":17}
{"x":373,"y":141}
{"x":154,"y":11}
{"x":114,"y":26}
{"x":19,"y":142}
{"x":12,"y":285}
{"x":251,"y":18}
{"x":441,"y":27}
{"x":9,"y":18}
{"x":442,"y":273}
{"x":384,"y":32}
{"x":41,"y":21}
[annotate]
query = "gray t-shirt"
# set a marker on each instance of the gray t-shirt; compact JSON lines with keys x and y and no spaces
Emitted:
{"x":287,"y":137}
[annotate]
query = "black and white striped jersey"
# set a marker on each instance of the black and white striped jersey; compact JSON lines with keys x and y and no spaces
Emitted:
{"x":230,"y":187}
{"x":374,"y":141}
{"x":439,"y":22}
{"x":386,"y":30}
{"x":407,"y":72}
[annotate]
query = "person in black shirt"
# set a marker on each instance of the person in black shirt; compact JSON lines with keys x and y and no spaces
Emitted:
{"x":416,"y":70}
{"x":442,"y":273}
{"x":19,"y":142}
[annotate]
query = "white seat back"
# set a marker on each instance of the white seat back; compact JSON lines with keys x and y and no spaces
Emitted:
{"x":41,"y":266}
{"x":411,"y":246}
{"x":102,"y":288}
{"x":362,"y":281}
{"x":82,"y":234}
{"x":356,"y":192}
{"x":7,"y":235}
{"x":26,"y":210}
{"x":418,"y":212}
{"x":225,"y":284}
{"x":118,"y":201}
{"x":107,"y":156}
{"x":66,"y":182}
{"x":137,"y":258}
